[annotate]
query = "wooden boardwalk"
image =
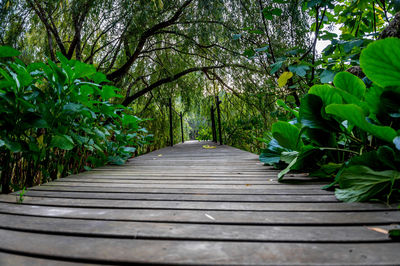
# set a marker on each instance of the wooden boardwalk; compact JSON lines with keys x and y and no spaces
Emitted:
{"x":189,"y":205}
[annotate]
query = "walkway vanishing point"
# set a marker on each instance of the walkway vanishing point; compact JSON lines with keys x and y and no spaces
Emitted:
{"x":189,"y":205}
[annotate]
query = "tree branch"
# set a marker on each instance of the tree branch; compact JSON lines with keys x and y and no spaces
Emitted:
{"x":142,"y":40}
{"x":266,"y":32}
{"x":41,"y":14}
{"x":317,"y":29}
{"x":78,"y":17}
{"x":160,"y":82}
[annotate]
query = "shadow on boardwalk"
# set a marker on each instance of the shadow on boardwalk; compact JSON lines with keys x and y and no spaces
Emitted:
{"x":191,"y":205}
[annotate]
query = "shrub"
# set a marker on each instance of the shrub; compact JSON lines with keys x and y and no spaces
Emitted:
{"x":349,"y":131}
{"x":57,"y":119}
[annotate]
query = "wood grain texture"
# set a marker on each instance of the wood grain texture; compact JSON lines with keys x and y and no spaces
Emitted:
{"x":189,"y":205}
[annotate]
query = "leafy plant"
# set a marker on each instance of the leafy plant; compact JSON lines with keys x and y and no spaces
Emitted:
{"x":58,"y":118}
{"x":394,"y":234}
{"x":21,"y":194}
{"x":349,"y":130}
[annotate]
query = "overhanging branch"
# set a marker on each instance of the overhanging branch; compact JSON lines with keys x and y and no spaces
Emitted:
{"x":160,"y":82}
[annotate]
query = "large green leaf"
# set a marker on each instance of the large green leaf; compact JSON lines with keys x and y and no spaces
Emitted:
{"x":108,"y":92}
{"x":355,"y":116}
{"x":328,"y":170}
{"x":388,"y":158}
{"x":282,"y":104}
{"x":23,"y":75}
{"x":286,"y":170}
{"x":13,"y":146}
{"x":380,"y":61}
{"x":348,"y":46}
{"x":6,"y":84}
{"x":130,"y":121}
{"x":360,"y":183}
{"x":63,"y":142}
{"x":39,"y":123}
{"x":351,"y":99}
{"x":60,"y":76}
{"x":320,"y":137}
{"x":83,"y":70}
{"x":275,"y":67}
{"x":117,"y":160}
{"x":327,"y":93}
{"x":389,"y":108}
{"x":287,"y":135}
{"x":300,"y":70}
{"x":310,"y":114}
{"x":372,"y":98}
{"x":72,"y":108}
{"x":370,"y":159}
{"x":269,"y":157}
{"x":7,"y":51}
{"x":99,"y":78}
{"x":288,"y":156}
{"x":350,"y":83}
{"x":327,"y":76}
{"x":272,"y":154}
{"x":308,"y":158}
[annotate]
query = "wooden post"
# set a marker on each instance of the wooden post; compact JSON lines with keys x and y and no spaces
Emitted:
{"x":183,"y":137}
{"x":219,"y":120}
{"x":214,"y":132}
{"x":171,"y":132}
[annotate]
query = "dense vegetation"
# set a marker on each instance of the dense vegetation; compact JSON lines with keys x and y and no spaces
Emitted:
{"x":347,"y":131}
{"x":58,"y":120}
{"x":102,"y":64}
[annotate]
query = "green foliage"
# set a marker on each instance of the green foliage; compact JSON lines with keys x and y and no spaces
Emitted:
{"x":384,"y":67}
{"x":360,"y":183}
{"x":6,"y":51}
{"x":350,"y":132}
{"x":204,"y":133}
{"x":21,"y":194}
{"x":394,"y":234}
{"x":287,"y":135}
{"x":55,"y":120}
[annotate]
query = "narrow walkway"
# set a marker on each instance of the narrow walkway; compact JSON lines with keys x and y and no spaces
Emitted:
{"x":190,"y":205}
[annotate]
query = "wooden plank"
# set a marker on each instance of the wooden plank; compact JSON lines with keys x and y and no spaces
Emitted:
{"x":182,"y":197}
{"x":209,"y":216}
{"x":181,"y":186}
{"x":182,"y":177}
{"x":174,"y":231}
{"x":284,"y":191}
{"x":9,"y":259}
{"x":198,"y":252}
{"x":185,"y":182}
{"x":198,"y":205}
{"x":165,"y":177}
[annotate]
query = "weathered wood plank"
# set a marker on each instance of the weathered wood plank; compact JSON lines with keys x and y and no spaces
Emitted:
{"x":199,"y":205}
{"x":283,"y":191}
{"x":198,"y":252}
{"x":174,"y":231}
{"x":182,"y":197}
{"x":208,"y":216}
{"x":181,"y":186}
{"x":9,"y":259}
{"x":185,"y":182}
